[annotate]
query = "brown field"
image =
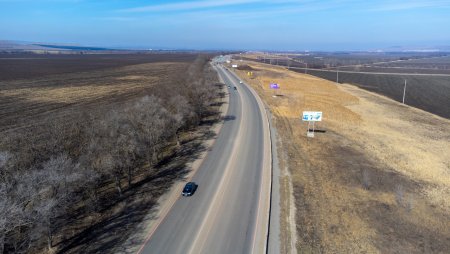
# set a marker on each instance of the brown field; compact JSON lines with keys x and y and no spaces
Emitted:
{"x":375,"y":179}
{"x":25,"y":66}
{"x":26,"y":102}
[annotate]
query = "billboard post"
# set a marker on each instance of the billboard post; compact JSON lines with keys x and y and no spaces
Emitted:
{"x":311,"y":117}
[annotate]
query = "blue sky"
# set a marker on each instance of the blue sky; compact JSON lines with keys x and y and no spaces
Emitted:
{"x":232,"y":24}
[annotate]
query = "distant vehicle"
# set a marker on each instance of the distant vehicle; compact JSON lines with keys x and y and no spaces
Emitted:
{"x":240,"y":81}
{"x":235,"y":88}
{"x":229,"y":86}
{"x":189,"y":189}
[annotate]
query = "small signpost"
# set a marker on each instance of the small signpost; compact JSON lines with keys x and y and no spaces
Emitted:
{"x":275,"y":87}
{"x":311,"y":117}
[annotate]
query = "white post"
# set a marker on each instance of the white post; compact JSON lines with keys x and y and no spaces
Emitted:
{"x":337,"y":76}
{"x":404,"y":91}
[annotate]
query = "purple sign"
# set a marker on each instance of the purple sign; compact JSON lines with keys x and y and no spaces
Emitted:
{"x":274,"y":86}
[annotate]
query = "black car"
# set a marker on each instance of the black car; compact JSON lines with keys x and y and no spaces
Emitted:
{"x":189,"y":189}
{"x":235,"y":88}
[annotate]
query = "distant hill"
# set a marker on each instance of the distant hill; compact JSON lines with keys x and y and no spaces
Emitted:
{"x":6,"y":45}
{"x":12,"y":45}
{"x":417,"y":49}
{"x":68,"y":47}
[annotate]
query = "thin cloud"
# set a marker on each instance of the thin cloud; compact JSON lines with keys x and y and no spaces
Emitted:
{"x":278,"y":8}
{"x":263,"y":13}
{"x":398,"y":6}
{"x":120,"y":19}
{"x":188,"y":5}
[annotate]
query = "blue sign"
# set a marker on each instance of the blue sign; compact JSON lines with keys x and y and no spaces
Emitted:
{"x":312,"y":116}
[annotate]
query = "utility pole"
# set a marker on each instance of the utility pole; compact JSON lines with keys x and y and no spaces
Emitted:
{"x":306,"y":67}
{"x":337,"y":75}
{"x":404,"y":91}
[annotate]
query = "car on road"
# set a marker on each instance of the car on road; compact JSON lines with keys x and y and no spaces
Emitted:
{"x":189,"y":189}
{"x":235,"y":88}
{"x":229,"y":86}
{"x":240,"y":81}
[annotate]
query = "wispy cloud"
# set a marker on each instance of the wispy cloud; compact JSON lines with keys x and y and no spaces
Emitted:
{"x":278,"y":11}
{"x":41,"y":1}
{"x":408,"y":5}
{"x":255,"y":9}
{"x":190,"y":5}
{"x":117,"y":18}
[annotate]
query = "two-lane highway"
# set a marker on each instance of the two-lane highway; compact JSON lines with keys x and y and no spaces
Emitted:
{"x":227,"y":212}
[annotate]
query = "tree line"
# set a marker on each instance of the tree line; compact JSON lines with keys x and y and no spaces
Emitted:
{"x":46,"y":172}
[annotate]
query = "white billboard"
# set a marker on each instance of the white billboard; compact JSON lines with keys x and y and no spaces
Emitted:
{"x":312,"y":116}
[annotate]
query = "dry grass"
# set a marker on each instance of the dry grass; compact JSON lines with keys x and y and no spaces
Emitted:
{"x":416,"y":143}
{"x":376,"y":181}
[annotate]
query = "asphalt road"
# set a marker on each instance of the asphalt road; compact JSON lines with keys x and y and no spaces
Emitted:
{"x":222,"y":216}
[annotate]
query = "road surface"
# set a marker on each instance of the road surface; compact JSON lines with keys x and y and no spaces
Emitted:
{"x":227,"y":212}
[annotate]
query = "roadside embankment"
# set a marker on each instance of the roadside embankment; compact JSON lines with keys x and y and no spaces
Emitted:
{"x":376,"y":176}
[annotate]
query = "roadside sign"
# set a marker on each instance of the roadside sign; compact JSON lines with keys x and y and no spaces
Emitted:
{"x":274,"y":86}
{"x":312,"y":116}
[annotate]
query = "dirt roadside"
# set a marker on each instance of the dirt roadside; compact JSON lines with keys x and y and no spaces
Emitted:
{"x":375,"y":179}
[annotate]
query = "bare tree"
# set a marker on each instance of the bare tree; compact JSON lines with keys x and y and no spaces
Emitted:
{"x":5,"y":166}
{"x":62,"y":176}
{"x":52,"y":186}
{"x":182,"y":114}
{"x":153,"y":124}
{"x":11,"y":213}
{"x":44,"y":214}
{"x":90,"y":185}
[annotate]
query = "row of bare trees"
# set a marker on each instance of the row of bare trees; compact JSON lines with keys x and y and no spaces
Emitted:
{"x":46,"y":174}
